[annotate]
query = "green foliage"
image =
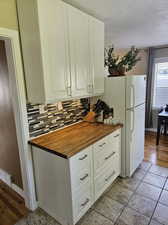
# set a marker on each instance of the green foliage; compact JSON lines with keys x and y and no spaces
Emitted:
{"x":126,"y":62}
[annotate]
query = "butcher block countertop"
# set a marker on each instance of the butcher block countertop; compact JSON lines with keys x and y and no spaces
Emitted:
{"x":71,"y":140}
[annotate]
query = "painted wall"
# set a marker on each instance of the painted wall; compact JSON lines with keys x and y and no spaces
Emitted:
{"x":8,"y":15}
{"x":141,"y":66}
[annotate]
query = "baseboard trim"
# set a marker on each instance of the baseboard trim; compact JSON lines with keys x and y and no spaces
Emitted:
{"x":6,"y":178}
{"x":151,"y":129}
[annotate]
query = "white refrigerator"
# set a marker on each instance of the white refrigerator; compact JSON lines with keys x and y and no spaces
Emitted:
{"x":127,"y":96}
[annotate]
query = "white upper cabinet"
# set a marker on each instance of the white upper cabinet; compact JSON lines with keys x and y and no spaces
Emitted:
{"x":63,"y":51}
{"x":54,"y":47}
{"x":96,"y":34}
{"x":44,"y":36}
{"x":79,"y":50}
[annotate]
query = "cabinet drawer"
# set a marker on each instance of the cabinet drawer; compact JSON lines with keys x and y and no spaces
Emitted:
{"x":83,"y":200}
{"x":104,"y":180}
{"x":103,"y":160}
{"x":81,"y":161}
{"x":78,"y":180}
{"x":114,"y":139}
{"x":105,"y":151}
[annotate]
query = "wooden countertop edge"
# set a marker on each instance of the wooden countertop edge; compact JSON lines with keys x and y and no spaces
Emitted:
{"x":66,"y":156}
{"x":49,"y":150}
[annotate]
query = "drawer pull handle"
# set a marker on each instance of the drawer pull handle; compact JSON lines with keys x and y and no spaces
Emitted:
{"x":84,"y":157}
{"x":84,"y":177}
{"x":117,"y":135}
{"x":102,"y":144}
{"x":85,"y":203}
{"x":108,"y":157}
{"x":108,"y":178}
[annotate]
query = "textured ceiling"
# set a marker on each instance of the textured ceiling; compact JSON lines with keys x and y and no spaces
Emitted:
{"x":141,"y":23}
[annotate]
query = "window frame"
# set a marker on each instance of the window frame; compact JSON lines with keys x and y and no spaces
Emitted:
{"x":156,"y":61}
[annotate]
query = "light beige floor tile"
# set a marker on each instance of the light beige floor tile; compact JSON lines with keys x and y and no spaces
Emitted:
{"x":94,"y":218}
{"x":38,"y":217}
{"x":154,"y":180}
{"x":161,"y":214}
{"x":161,"y":171}
{"x":149,"y":191}
{"x":166,"y":186}
{"x":120,"y":194}
{"x":154,"y":223}
{"x":164,"y":198}
{"x":142,"y":204}
{"x":145,"y":165}
{"x":130,"y":183}
{"x":132,"y":217}
{"x":139,"y":174}
{"x":109,"y":208}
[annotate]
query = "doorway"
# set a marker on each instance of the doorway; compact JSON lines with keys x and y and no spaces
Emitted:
{"x":11,"y":184}
{"x":9,"y":152}
{"x":18,"y":99}
{"x":159,"y":82}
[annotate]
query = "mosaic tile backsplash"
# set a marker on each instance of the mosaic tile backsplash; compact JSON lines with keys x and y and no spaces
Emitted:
{"x":45,"y":118}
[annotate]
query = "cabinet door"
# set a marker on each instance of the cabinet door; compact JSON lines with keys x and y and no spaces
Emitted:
{"x":79,"y":51}
{"x":96,"y":33}
{"x":54,"y":44}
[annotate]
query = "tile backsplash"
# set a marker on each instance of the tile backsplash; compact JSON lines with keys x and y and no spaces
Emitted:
{"x":45,"y":118}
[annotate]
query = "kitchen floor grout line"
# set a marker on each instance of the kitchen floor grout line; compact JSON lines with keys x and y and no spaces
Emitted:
{"x":134,"y":192}
{"x":127,"y":205}
{"x":124,"y":206}
{"x":158,"y":202}
{"x":104,"y":216}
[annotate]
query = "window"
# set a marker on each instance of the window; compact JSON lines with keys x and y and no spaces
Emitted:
{"x":161,"y":83}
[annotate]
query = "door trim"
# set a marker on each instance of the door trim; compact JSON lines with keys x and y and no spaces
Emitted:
{"x":16,"y":82}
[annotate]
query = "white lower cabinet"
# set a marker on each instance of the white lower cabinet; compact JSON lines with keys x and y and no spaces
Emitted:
{"x":103,"y":180}
{"x":82,"y":201}
{"x":67,"y":188}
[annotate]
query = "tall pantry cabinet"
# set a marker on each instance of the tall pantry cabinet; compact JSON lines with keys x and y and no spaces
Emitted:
{"x":63,"y":51}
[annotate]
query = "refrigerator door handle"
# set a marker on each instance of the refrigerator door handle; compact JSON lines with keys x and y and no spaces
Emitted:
{"x":133,"y":94}
{"x":132,"y":120}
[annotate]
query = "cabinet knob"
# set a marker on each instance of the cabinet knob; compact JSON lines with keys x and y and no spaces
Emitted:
{"x":108,"y":178}
{"x":84,"y":177}
{"x":102,"y":144}
{"x":84,"y":157}
{"x":108,"y":157}
{"x":85,"y":203}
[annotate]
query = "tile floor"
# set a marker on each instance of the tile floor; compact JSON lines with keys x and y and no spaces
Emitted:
{"x":140,"y":200}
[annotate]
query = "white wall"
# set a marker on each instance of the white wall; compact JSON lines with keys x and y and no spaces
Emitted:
{"x":141,"y":66}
